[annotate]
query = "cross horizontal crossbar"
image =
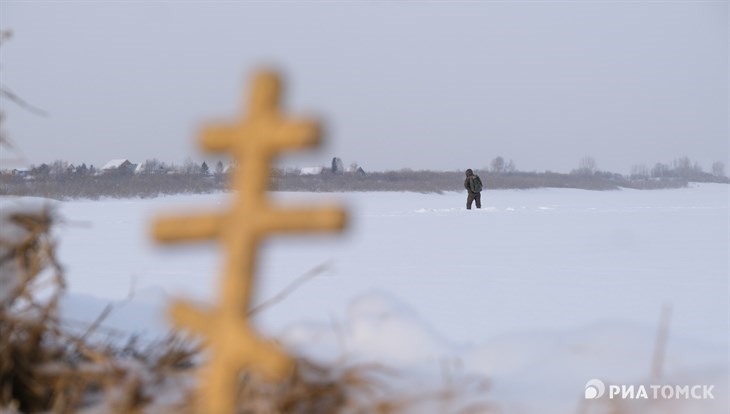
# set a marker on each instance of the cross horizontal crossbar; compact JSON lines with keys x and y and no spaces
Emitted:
{"x":209,"y":226}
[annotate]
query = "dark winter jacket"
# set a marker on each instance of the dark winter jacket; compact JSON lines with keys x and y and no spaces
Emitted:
{"x":469,"y":175}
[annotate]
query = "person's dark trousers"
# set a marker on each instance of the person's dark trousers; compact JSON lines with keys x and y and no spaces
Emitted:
{"x":473,"y":197}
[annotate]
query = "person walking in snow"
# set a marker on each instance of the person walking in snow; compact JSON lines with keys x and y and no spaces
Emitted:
{"x":473,"y":185}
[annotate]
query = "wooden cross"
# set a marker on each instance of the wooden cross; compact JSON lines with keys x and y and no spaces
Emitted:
{"x":262,"y":134}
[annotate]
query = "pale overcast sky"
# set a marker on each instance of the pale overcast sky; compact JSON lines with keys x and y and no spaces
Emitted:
{"x":438,"y":85}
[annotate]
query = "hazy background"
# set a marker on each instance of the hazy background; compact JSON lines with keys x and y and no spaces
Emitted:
{"x":419,"y":85}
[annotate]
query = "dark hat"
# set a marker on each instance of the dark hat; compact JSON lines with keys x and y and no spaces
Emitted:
{"x":469,"y":172}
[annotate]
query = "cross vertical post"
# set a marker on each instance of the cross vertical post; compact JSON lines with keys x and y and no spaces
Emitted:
{"x":254,"y":141}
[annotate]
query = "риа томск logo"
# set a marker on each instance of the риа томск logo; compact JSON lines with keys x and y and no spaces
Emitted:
{"x":595,"y":389}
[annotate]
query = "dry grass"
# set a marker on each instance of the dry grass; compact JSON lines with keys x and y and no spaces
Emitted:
{"x":42,"y":367}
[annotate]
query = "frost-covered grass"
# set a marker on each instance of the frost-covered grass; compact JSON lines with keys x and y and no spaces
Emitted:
{"x":538,"y":292}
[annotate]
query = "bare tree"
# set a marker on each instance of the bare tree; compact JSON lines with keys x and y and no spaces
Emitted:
{"x":639,"y":171}
{"x":510,"y":167}
{"x":682,"y":166}
{"x":152,"y":165}
{"x":660,"y":170}
{"x":59,"y":167}
{"x":498,"y":164}
{"x":586,"y":166}
{"x":718,"y":169}
{"x":190,"y":167}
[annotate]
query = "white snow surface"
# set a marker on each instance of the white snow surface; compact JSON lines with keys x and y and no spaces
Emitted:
{"x":538,"y":292}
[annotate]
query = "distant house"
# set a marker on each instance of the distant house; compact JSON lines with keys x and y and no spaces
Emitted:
{"x":21,"y":172}
{"x":311,"y":171}
{"x":118,"y":165}
{"x":355,"y":169}
{"x":150,"y":167}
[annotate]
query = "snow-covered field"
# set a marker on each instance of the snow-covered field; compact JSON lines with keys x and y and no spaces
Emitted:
{"x":538,"y":292}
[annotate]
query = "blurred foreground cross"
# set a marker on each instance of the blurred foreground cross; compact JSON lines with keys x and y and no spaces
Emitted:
{"x":262,"y":134}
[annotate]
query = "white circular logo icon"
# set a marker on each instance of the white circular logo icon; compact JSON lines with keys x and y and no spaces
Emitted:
{"x":594,"y":389}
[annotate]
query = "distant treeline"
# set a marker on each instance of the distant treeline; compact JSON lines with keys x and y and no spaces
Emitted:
{"x":440,"y":181}
{"x":58,"y":181}
{"x":115,"y":185}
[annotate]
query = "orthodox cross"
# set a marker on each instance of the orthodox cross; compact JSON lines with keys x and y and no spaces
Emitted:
{"x":254,"y":141}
